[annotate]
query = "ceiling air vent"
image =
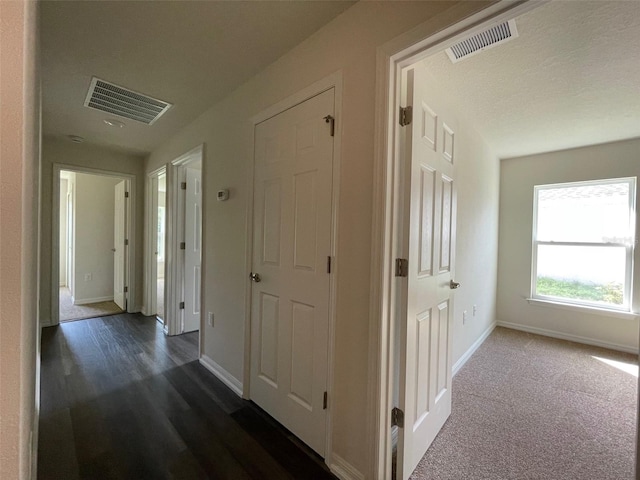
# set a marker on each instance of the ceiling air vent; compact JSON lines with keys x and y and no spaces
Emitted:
{"x":125,"y":103}
{"x":488,"y":38}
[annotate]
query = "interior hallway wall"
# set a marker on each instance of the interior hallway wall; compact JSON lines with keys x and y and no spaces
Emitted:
{"x":517,"y":179}
{"x":19,"y":161}
{"x":347,"y":44}
{"x":63,"y":151}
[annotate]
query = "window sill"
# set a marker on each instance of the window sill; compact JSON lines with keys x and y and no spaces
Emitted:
{"x":584,"y":309}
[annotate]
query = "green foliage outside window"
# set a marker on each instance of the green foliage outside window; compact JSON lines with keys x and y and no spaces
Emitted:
{"x":611,"y":293}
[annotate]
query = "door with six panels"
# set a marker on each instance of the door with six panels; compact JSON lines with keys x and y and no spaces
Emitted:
{"x":292,"y":229}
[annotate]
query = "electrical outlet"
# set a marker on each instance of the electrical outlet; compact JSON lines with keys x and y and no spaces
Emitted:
{"x":210,"y":319}
{"x":87,"y":277}
{"x":464,"y":317}
{"x":475,"y":309}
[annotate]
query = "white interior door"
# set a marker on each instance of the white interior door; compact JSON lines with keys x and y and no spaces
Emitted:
{"x":426,"y":329}
{"x":119,"y":236}
{"x":292,"y":240}
{"x":193,"y":250}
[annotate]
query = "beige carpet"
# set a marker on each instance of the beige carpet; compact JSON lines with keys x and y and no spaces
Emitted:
{"x":69,"y":311}
{"x":532,"y":407}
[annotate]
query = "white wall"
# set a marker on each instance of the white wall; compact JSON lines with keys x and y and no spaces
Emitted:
{"x":64,"y":185}
{"x":348,"y":44}
{"x":518,"y":177}
{"x":19,"y":157}
{"x":63,"y":151}
{"x":93,"y":232}
{"x":476,"y":268}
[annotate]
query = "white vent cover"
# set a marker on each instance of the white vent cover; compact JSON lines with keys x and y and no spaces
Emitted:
{"x":488,"y":38}
{"x":122,"y":102}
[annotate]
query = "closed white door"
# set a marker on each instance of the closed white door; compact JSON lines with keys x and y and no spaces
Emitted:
{"x":119,"y":236}
{"x":426,"y":326}
{"x":193,"y":250}
{"x":291,"y":245}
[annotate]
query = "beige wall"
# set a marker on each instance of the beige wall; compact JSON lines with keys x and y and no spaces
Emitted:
{"x":82,"y":155}
{"x":518,"y":177}
{"x":348,"y":44}
{"x":94,"y":229}
{"x":19,"y":156}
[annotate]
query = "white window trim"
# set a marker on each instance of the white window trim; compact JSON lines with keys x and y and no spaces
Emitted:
{"x":629,"y":247}
{"x":605,"y":312}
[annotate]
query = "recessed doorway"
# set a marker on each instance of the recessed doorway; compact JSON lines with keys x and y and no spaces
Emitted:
{"x":92,"y":245}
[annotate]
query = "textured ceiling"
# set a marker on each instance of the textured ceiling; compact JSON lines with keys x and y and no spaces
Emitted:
{"x":571,"y":78}
{"x":190,"y":54}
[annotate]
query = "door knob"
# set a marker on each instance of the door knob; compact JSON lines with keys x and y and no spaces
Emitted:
{"x":453,"y":285}
{"x":113,"y":249}
{"x":255,"y":277}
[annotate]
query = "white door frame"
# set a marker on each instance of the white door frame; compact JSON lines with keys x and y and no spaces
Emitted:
{"x":392,"y":59}
{"x":174,"y":260}
{"x":150,"y":235}
{"x":129,"y":270}
{"x":332,"y":81}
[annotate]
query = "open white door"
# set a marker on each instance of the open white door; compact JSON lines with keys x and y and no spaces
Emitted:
{"x":193,"y":250}
{"x":425,"y":327}
{"x":291,"y":289}
{"x":119,"y":246}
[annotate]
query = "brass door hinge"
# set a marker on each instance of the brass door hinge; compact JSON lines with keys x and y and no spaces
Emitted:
{"x":397,"y":417}
{"x":402,"y":267}
{"x":406,"y":115}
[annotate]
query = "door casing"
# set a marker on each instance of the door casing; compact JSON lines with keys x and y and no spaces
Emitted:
{"x":150,"y":271}
{"x":394,"y":58}
{"x":174,"y":261}
{"x":332,"y":81}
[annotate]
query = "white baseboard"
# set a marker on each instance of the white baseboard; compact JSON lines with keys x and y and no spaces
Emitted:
{"x":343,"y":469}
{"x":85,"y":301}
{"x":569,"y":337}
{"x":136,"y":309}
{"x":467,"y":355}
{"x":225,"y":377}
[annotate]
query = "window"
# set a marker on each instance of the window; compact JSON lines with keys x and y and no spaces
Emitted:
{"x":583,"y":238}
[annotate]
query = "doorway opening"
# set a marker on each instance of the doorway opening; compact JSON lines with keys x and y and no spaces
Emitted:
{"x":405,"y":327}
{"x":157,"y":244}
{"x":161,"y":254}
{"x":92,"y":245}
{"x":182,"y":249}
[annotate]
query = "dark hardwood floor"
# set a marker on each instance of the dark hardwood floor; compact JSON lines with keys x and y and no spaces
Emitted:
{"x":119,"y":400}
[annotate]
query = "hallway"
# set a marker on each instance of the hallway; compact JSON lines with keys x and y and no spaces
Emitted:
{"x":120,"y":400}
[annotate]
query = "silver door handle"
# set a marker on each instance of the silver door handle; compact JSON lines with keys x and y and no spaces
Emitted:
{"x":453,"y":285}
{"x":255,"y":277}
